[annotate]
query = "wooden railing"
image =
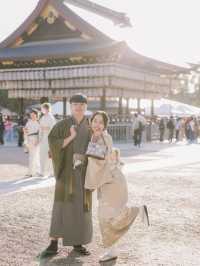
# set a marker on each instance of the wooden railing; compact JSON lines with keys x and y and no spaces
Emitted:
{"x":124,"y":132}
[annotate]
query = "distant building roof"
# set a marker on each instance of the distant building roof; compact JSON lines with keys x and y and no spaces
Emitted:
{"x":54,"y":31}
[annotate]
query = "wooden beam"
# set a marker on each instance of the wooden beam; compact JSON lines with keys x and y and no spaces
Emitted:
{"x":118,"y":18}
{"x":138,"y":105}
{"x":127,"y":106}
{"x":152,"y":107}
{"x":64,"y":106}
{"x":103,"y":100}
{"x":21,"y":106}
{"x":120,"y":107}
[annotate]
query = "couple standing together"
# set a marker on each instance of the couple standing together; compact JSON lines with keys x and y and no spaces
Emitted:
{"x":77,"y":175}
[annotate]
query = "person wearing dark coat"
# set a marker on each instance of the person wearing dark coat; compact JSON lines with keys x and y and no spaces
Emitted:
{"x":162,"y":129}
{"x":1,"y":129}
{"x":72,"y":214}
{"x":171,"y":127}
{"x":21,"y":124}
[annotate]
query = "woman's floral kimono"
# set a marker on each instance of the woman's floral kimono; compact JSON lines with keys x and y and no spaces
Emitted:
{"x":115,"y":217}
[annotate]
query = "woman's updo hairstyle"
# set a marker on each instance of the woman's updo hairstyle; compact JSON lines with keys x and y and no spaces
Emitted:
{"x":104,"y":115}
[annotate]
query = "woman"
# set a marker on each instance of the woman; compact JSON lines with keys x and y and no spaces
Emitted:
{"x":47,"y":121}
{"x":105,"y":175}
{"x":8,"y":129}
{"x":31,"y":139}
{"x":1,"y":130}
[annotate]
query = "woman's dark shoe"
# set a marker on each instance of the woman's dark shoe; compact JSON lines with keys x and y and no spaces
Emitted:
{"x":81,"y":250}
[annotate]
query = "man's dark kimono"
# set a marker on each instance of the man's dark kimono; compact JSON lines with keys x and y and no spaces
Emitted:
{"x":71,"y":216}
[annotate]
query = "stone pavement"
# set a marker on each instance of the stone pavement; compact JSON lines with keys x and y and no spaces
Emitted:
{"x":165,"y":177}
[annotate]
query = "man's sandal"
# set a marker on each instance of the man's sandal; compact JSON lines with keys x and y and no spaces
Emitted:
{"x":82,"y":250}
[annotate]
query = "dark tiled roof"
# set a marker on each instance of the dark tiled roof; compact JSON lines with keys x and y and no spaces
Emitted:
{"x":65,"y":13}
{"x":58,"y":50}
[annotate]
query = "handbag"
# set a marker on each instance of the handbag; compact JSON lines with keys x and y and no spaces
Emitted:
{"x":96,"y":150}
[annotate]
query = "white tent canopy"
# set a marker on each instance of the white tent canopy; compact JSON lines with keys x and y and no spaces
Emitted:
{"x":168,"y":107}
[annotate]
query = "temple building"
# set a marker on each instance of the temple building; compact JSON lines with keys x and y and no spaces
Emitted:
{"x":56,"y":53}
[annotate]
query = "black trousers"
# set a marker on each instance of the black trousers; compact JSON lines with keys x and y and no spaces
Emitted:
{"x":137,"y":137}
{"x":171,"y":134}
{"x":177,"y":135}
{"x":1,"y":137}
{"x":162,"y":131}
{"x":20,"y":138}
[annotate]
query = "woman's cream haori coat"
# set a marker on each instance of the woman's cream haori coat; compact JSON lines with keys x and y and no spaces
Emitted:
{"x":115,"y":217}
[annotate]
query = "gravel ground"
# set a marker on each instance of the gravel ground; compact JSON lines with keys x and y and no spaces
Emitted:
{"x":167,"y":179}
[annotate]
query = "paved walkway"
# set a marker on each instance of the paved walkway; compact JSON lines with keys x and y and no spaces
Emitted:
{"x":165,"y":177}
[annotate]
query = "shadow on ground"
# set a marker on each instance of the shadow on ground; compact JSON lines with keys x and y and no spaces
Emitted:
{"x":7,"y":187}
{"x":72,"y":259}
{"x":13,"y":155}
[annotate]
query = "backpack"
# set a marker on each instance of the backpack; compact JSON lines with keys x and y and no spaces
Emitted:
{"x":141,"y":126}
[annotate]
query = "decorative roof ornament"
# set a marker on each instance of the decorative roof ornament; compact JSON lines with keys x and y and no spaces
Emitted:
{"x":51,"y":18}
{"x":118,"y":18}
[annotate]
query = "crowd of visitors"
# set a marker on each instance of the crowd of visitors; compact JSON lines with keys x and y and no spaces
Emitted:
{"x":179,"y":128}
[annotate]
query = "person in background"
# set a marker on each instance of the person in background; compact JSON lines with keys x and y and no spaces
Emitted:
{"x":8,"y":129}
{"x":187,"y":129}
{"x":171,"y":126}
{"x":196,"y":130}
{"x":20,"y":124}
{"x":31,"y":133}
{"x":191,"y":130}
{"x":47,"y":121}
{"x":162,"y":129}
{"x":1,"y":129}
{"x":138,"y":127}
{"x":178,"y":128}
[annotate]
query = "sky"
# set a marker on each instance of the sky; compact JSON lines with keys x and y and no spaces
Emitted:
{"x":167,"y":30}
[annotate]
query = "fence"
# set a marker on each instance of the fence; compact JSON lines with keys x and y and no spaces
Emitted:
{"x":123,"y":132}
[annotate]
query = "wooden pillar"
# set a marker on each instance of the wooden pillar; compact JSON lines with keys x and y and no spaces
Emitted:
{"x":127,"y":106}
{"x":64,"y":106}
{"x":21,"y":106}
{"x":103,"y":100}
{"x":152,"y":107}
{"x":138,"y":105}
{"x":120,"y":108}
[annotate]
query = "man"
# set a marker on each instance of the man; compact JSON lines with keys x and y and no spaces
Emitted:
{"x":138,"y":127}
{"x":162,"y":129}
{"x":46,"y":124}
{"x":71,"y":216}
{"x":20,"y":126}
{"x":178,"y":128}
{"x":171,"y":126}
{"x":1,"y":129}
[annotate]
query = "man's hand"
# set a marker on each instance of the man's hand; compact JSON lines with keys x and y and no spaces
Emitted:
{"x":71,"y":137}
{"x":73,"y":132}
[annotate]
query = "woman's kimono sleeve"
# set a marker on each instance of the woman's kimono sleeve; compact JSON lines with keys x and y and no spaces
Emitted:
{"x":98,"y":171}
